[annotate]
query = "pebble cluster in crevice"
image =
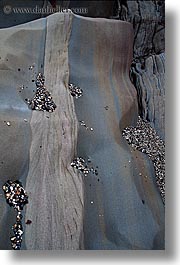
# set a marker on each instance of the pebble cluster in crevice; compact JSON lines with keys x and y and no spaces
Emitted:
{"x":42,"y":100}
{"x":83,"y":166}
{"x":17,"y":198}
{"x":145,"y":139}
{"x":75,"y":91}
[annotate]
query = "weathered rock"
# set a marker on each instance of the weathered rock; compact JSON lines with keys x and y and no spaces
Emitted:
{"x":148,"y":67}
{"x":148,"y":21}
{"x":39,"y":151}
{"x":150,"y":84}
{"x":123,"y":208}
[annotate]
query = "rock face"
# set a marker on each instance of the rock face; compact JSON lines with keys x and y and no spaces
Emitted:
{"x":123,"y":209}
{"x":56,"y":191}
{"x":147,"y":71}
{"x":148,"y":19}
{"x":120,"y":208}
{"x":150,"y":84}
{"x":38,"y":147}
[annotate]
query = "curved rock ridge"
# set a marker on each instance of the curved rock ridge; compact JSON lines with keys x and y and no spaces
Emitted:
{"x":123,"y":207}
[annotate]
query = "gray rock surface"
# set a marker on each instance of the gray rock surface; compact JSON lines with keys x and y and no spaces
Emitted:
{"x":150,"y":85}
{"x":148,"y":19}
{"x":148,"y":67}
{"x":123,"y":208}
{"x":115,"y":216}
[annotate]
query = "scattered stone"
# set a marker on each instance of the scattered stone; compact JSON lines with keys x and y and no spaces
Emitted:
{"x":8,"y":123}
{"x":145,"y":139}
{"x":31,"y":67}
{"x":42,"y":100}
{"x":28,"y":222}
{"x":17,"y":198}
{"x":82,"y":123}
{"x":21,"y":88}
{"x":83,"y":166}
{"x":75,"y":91}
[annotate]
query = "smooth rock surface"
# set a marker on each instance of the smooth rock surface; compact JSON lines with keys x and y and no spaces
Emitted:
{"x":115,"y":215}
{"x":15,"y":58}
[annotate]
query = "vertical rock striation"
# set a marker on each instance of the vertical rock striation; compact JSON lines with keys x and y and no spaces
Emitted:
{"x":147,"y":71}
{"x":55,"y":191}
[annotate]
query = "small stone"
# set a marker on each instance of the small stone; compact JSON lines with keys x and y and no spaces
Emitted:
{"x":21,"y":87}
{"x":31,"y":67}
{"x":75,"y":91}
{"x":28,"y":222}
{"x":8,"y":123}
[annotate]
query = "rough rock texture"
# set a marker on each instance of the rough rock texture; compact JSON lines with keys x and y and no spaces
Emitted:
{"x":56,"y":192}
{"x":150,"y":85}
{"x":148,"y":22}
{"x":38,"y":147}
{"x":147,"y":71}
